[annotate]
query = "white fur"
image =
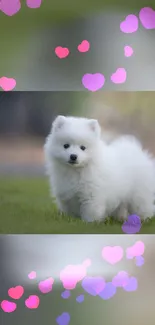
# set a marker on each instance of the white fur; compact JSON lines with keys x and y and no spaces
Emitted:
{"x":109,"y":179}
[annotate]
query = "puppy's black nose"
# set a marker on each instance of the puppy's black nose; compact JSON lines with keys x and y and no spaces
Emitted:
{"x":73,"y":157}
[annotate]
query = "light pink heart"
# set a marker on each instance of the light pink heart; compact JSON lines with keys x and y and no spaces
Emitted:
{"x":119,"y":76}
{"x":130,"y":24}
{"x":71,"y":275}
{"x":7,"y":84}
{"x":112,"y":254}
{"x":84,"y":46}
{"x":61,"y":52}
{"x":147,"y":17}
{"x":136,"y":250}
{"x":128,"y":51}
{"x":46,"y":285}
{"x":16,"y":292}
{"x":32,"y":275}
{"x":8,"y":306}
{"x":32,"y":302}
{"x":87,"y":262}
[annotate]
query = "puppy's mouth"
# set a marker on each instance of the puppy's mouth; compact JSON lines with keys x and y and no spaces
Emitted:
{"x":71,"y":162}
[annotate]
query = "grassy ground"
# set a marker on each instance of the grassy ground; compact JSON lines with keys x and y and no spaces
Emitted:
{"x":25,"y":207}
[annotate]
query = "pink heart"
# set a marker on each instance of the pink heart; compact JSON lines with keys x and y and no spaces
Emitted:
{"x":136,"y":250}
{"x":84,"y":46}
{"x":128,"y":51}
{"x":119,"y":76}
{"x":16,"y":292}
{"x":93,"y":82}
{"x":32,"y":275}
{"x":147,"y":17}
{"x":112,"y":254}
{"x":130,"y":24}
{"x":61,"y":52}
{"x":32,"y":302}
{"x":46,"y":285}
{"x":71,"y":275}
{"x":10,"y":8}
{"x":8,"y":306}
{"x":33,"y":3}
{"x":7,"y":84}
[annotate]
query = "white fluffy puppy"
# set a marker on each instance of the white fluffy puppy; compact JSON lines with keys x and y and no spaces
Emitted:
{"x":92,"y":179}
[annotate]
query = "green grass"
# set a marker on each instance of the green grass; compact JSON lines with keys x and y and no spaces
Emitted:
{"x":26,"y":207}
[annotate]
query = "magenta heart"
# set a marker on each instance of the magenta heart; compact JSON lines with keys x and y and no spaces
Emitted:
{"x":10,"y":7}
{"x":32,"y":302}
{"x":33,"y":3}
{"x":147,"y":17}
{"x":93,"y":82}
{"x":130,"y":24}
{"x":8,"y":306}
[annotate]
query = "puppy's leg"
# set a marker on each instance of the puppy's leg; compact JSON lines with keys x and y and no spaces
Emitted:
{"x":143,"y":204}
{"x":122,"y":212}
{"x":145,"y":210}
{"x":90,"y":211}
{"x":62,"y":206}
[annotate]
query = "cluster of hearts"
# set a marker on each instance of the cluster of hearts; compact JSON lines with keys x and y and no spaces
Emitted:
{"x":92,"y":82}
{"x":96,"y":81}
{"x":71,"y":275}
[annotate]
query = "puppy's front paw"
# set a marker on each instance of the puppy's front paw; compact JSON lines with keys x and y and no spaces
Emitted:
{"x":90,"y":214}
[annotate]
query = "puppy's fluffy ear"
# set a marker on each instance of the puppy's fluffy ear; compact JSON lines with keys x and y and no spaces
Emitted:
{"x":95,"y":127}
{"x":58,"y":122}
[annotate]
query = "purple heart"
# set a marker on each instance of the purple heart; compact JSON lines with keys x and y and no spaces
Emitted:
{"x":108,"y":292}
{"x":132,"y":225}
{"x":132,"y":284}
{"x":93,"y":285}
{"x":139,"y":260}
{"x":93,"y":82}
{"x":134,"y":219}
{"x":63,"y":319}
{"x":80,"y":298}
{"x":66,"y":294}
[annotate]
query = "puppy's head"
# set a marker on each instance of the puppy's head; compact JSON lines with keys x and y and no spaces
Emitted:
{"x":73,"y":140}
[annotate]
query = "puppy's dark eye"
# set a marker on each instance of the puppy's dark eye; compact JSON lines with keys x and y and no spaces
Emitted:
{"x":83,"y":148}
{"x":66,"y":145}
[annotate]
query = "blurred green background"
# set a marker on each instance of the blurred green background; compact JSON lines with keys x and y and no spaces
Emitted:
{"x":21,"y":33}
